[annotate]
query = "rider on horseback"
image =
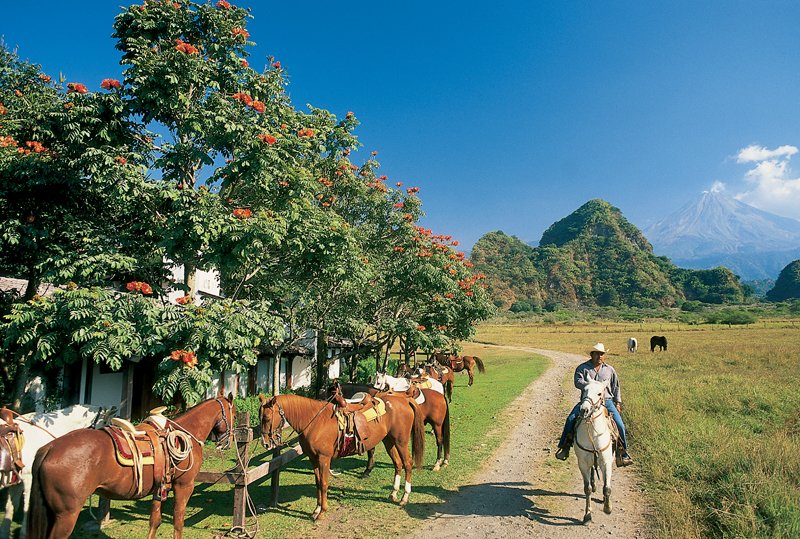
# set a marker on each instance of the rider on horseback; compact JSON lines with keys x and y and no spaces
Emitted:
{"x":596,"y":369}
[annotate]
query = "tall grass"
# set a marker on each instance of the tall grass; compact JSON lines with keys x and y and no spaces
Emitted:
{"x":713,"y":422}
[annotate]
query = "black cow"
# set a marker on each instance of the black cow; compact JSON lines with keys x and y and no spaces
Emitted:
{"x":661,"y":342}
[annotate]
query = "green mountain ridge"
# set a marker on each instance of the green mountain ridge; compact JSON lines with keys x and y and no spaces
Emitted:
{"x":593,"y":257}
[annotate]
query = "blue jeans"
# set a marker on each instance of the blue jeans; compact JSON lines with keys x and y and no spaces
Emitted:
{"x":569,"y":426}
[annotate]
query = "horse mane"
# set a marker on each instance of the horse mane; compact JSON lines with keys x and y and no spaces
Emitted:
{"x":302,"y":409}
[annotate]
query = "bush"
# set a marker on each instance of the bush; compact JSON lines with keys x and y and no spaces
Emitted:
{"x":731,"y":317}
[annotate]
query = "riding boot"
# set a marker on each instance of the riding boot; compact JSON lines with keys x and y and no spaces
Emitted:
{"x":563,"y":451}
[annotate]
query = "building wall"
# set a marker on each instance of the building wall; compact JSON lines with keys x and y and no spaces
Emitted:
{"x":106,"y":388}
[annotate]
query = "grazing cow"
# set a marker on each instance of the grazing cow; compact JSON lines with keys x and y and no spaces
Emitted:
{"x":661,"y":342}
{"x":633,"y":344}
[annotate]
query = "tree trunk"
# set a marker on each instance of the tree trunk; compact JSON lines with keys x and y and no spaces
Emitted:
{"x":322,"y":356}
{"x":276,"y":374}
{"x":23,"y":367}
{"x":190,"y":279}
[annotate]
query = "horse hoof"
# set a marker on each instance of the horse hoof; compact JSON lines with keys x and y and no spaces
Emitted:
{"x":587,"y":518}
{"x":364,"y":475}
{"x":436,"y":467}
{"x":393,"y":496}
{"x":607,"y":509}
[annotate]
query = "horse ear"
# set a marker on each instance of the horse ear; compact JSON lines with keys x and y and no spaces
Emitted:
{"x":262,"y":399}
{"x":229,"y":398}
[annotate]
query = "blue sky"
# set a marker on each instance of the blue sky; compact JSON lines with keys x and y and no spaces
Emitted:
{"x":510,"y":115}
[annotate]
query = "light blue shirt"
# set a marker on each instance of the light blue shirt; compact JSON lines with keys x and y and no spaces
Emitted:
{"x":585,"y":372}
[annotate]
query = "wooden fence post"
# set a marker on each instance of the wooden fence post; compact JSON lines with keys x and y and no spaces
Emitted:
{"x":275,"y":480}
{"x":243,"y":437}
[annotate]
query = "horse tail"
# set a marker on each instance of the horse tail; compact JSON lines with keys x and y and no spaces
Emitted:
{"x":446,"y":430}
{"x":449,"y":390}
{"x":38,"y":512}
{"x":417,"y":435}
{"x":479,"y":361}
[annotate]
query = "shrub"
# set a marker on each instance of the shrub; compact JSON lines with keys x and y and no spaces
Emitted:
{"x":731,"y":317}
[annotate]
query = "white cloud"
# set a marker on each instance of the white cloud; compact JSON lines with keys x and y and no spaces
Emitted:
{"x":754,"y":153}
{"x":717,"y":187}
{"x":770,"y":185}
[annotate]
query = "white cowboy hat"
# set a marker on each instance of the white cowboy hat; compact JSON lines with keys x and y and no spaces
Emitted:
{"x":599,"y":347}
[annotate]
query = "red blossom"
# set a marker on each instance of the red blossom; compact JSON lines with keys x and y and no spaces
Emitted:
{"x":305,"y":133}
{"x":242,"y":213}
{"x":183,"y":300}
{"x":240,"y":32}
{"x":259,"y":106}
{"x":398,"y":205}
{"x":139,"y":286}
{"x":184,"y":47}
{"x":349,"y":114}
{"x":76,"y":87}
{"x":399,"y":184}
{"x":222,"y":4}
{"x":3,"y":110}
{"x":276,"y":65}
{"x":374,"y":153}
{"x":18,"y":93}
{"x":284,"y":127}
{"x":189,"y":358}
{"x":108,"y":84}
{"x":267,"y":138}
{"x":421,"y":328}
{"x":44,"y":78}
{"x":244,"y":63}
{"x":120,"y":160}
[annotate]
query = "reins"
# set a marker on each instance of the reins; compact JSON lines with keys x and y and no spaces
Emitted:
{"x":590,"y":427}
{"x":285,"y":421}
{"x":20,"y":418}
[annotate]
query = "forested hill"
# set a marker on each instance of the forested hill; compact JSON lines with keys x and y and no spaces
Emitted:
{"x":594,"y":256}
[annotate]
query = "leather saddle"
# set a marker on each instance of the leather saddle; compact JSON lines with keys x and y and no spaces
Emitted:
{"x":143,"y":445}
{"x":11,"y":442}
{"x":415,"y":392}
{"x":354,"y":422}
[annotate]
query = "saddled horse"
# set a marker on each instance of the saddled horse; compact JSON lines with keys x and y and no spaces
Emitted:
{"x":461,"y":363}
{"x":444,"y":375}
{"x":593,"y":444}
{"x":317,"y":426}
{"x":429,"y":395}
{"x":39,"y":428}
{"x":81,"y":462}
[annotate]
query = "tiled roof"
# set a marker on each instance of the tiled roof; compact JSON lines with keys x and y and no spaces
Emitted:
{"x":19,"y":286}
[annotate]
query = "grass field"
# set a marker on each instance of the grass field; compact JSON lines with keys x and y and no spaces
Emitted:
{"x":713,"y":422}
{"x":478,"y":425}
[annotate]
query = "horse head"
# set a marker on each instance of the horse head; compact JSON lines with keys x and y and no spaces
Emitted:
{"x":380,"y":381}
{"x":271,"y":422}
{"x":223,"y":428}
{"x":104,"y":417}
{"x":593,"y":397}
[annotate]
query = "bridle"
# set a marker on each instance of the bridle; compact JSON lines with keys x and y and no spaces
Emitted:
{"x":224,"y":440}
{"x":275,"y":434}
{"x":595,"y":411}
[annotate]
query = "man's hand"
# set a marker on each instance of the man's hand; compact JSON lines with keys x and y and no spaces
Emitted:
{"x":619,"y":407}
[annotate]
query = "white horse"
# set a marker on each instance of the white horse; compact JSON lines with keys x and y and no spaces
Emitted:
{"x":40,"y":428}
{"x":384,"y":381}
{"x":593,"y":441}
{"x":633,"y":344}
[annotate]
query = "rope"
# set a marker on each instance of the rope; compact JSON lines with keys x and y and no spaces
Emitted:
{"x":179,"y":447}
{"x":246,"y":531}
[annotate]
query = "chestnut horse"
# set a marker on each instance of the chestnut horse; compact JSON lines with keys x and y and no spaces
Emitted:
{"x":458,"y":364}
{"x":318,"y":428}
{"x":444,"y":375}
{"x":436,"y":413}
{"x":66,"y":471}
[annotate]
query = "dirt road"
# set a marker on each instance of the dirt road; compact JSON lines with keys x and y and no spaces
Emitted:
{"x":523,"y":491}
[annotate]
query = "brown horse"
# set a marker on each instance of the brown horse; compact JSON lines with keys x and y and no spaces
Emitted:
{"x":436,"y":413}
{"x":318,"y":428}
{"x":445,"y":375}
{"x":66,"y":471}
{"x":458,"y":364}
